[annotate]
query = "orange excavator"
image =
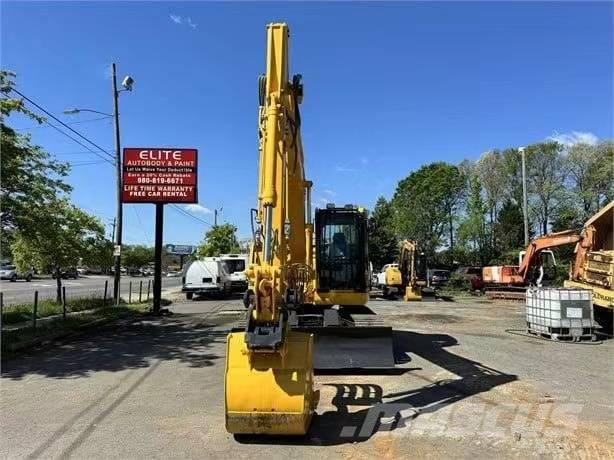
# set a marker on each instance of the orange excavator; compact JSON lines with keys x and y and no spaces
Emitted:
{"x":518,"y":275}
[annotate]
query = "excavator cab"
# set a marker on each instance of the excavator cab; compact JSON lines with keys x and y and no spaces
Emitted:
{"x":342,"y":261}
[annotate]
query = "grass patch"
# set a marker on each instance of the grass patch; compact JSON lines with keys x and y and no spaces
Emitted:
{"x":14,"y":314}
{"x":454,"y":293}
{"x":12,"y":339}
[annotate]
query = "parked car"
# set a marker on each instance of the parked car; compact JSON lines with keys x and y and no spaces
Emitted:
{"x":66,"y":273}
{"x":134,"y":271}
{"x":83,"y":271}
{"x":206,"y":276}
{"x":439,"y":277}
{"x":9,"y":272}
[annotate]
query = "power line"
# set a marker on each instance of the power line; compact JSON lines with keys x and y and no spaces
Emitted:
{"x":28,"y":128}
{"x":183,"y":211}
{"x":87,"y":163}
{"x":145,"y":234}
{"x":81,"y":144}
{"x":61,"y":122}
{"x":78,"y":152}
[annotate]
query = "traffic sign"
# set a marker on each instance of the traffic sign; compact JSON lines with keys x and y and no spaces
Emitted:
{"x":180,"y":249}
{"x":160,"y":175}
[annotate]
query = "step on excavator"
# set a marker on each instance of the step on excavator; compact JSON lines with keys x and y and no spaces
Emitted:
{"x":306,"y":280}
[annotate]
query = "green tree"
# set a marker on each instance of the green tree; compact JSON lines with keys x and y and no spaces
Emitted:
{"x":473,"y":234}
{"x":509,"y":227}
{"x":219,"y":239}
{"x":57,"y":235}
{"x":98,"y":253}
{"x":383,"y":243}
{"x":546,"y":175}
{"x":491,"y":172}
{"x":425,"y":202}
{"x":512,"y":167}
{"x":590,"y":170}
{"x":137,"y":256}
{"x":28,"y":175}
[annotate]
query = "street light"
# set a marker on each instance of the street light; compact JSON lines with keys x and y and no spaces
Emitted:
{"x":76,"y":110}
{"x":524,"y":198}
{"x":215,"y":215}
{"x":127,"y":84}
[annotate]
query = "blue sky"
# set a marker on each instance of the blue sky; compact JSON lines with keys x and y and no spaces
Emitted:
{"x":388,"y":87}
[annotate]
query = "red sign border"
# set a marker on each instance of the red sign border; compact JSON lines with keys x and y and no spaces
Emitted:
{"x":195,"y":201}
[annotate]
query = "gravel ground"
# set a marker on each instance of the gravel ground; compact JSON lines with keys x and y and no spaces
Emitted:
{"x":463,"y":387}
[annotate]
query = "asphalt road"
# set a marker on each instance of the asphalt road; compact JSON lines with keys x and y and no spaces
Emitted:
{"x":465,"y":388}
{"x":90,"y":285}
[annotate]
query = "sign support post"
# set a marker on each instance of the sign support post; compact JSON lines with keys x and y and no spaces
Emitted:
{"x":157,"y":290}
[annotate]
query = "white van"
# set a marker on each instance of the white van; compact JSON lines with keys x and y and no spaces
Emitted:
{"x":206,"y":276}
{"x":236,"y":264}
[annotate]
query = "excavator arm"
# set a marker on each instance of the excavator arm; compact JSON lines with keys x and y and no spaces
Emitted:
{"x":408,"y":264}
{"x":585,"y":245}
{"x":269,"y":367}
{"x":543,"y":242}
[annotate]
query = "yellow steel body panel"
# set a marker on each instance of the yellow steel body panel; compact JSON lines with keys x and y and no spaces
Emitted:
{"x":393,"y":277}
{"x":269,"y":393}
{"x":340,"y":298}
{"x":281,"y":181}
{"x":412,"y":293}
{"x":601,"y":296}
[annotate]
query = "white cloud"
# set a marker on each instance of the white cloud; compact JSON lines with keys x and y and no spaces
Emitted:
{"x":344,"y":169}
{"x":574,"y":137}
{"x":197,"y":209}
{"x":183,"y":20}
{"x":329,"y":192}
{"x":190,"y":23}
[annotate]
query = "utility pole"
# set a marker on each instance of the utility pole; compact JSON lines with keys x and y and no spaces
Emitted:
{"x":524,"y":198}
{"x":215,"y":211}
{"x":118,"y":171}
{"x":113,"y":226}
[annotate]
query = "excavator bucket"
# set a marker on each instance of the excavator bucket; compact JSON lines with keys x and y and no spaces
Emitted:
{"x":412,"y":294}
{"x":352,"y":347}
{"x":269,"y":393}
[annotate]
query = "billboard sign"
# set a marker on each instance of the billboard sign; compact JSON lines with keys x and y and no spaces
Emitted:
{"x":160,"y":175}
{"x":180,"y":249}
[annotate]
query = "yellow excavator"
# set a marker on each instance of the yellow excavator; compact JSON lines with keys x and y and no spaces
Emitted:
{"x":298,"y":271}
{"x":408,"y":276}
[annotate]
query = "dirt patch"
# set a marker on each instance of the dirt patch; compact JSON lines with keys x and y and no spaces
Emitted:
{"x":437,"y":318}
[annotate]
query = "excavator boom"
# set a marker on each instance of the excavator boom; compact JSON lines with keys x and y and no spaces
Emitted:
{"x":543,"y":242}
{"x":291,"y":325}
{"x":269,"y":367}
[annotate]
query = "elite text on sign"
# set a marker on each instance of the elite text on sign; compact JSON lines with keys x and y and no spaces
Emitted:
{"x":159,"y":175}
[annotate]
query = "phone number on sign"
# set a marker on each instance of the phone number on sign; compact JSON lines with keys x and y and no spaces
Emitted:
{"x":160,"y":180}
